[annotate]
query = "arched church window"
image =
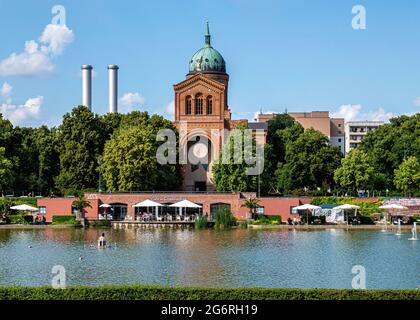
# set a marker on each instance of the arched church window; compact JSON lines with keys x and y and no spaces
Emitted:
{"x":209,"y":105}
{"x":199,"y":104}
{"x":188,"y":104}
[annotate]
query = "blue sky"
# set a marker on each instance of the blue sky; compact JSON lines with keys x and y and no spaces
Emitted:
{"x":299,"y":55}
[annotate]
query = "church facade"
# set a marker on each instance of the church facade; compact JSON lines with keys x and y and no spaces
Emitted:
{"x":203,"y":116}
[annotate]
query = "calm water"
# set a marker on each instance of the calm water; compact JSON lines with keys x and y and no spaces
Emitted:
{"x":238,"y":258}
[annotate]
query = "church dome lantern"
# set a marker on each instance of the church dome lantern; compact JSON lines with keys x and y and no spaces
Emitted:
{"x":207,"y":59}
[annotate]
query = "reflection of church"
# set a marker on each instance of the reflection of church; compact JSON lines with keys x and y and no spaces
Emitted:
{"x":201,"y":105}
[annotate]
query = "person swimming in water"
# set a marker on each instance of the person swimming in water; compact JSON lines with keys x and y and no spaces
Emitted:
{"x":102,"y":241}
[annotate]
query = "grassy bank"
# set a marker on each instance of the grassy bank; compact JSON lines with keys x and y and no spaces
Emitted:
{"x":176,"y":293}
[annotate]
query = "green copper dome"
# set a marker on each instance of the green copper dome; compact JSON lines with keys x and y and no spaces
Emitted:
{"x":207,"y":58}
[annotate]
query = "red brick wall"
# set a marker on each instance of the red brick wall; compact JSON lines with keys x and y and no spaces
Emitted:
{"x":56,"y":207}
{"x":272,"y":206}
{"x":275,"y":207}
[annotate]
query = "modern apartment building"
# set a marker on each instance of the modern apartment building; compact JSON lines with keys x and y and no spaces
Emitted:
{"x":333,"y":128}
{"x":356,"y":131}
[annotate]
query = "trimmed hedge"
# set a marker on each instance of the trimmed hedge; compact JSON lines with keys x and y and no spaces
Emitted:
{"x":99,"y":224}
{"x":65,"y":220}
{"x":175,"y":293}
{"x":20,"y":219}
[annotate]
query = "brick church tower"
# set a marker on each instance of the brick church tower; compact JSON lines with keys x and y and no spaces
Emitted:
{"x":201,"y":105}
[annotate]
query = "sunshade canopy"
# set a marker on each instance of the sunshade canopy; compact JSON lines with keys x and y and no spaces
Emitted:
{"x":147,"y":203}
{"x":24,"y":207}
{"x":393,"y":206}
{"x":347,"y":207}
{"x":105,"y":205}
{"x":307,"y":207}
{"x":185,"y":204}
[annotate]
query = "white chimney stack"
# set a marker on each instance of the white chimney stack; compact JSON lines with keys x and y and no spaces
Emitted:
{"x":113,"y":88}
{"x":87,"y":86}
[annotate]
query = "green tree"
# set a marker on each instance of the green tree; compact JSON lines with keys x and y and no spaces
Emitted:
{"x":48,"y":159}
{"x":407,"y":176}
{"x":280,"y":130}
{"x":232,"y":176}
{"x":252,"y":204}
{"x":356,"y":172}
{"x":6,"y":135}
{"x":310,"y":163}
{"x":5,"y":170}
{"x":129,"y":161}
{"x":390,"y":144}
{"x":81,"y":144}
{"x":80,"y":205}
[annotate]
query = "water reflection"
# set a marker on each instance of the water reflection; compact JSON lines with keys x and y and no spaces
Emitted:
{"x":238,"y":258}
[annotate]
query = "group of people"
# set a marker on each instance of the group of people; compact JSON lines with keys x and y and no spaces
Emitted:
{"x":40,"y":219}
{"x":293,"y":222}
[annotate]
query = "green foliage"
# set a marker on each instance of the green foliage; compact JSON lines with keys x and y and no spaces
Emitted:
{"x":201,"y":222}
{"x":407,"y":176}
{"x":137,"y":292}
{"x":243,"y":224}
{"x":356,"y":172}
{"x":5,"y":170}
{"x":129,"y":161}
{"x":65,"y":220}
{"x":267,"y":220}
{"x":81,"y":204}
{"x":367,"y":208}
{"x":252,"y":204}
{"x":391,"y":143}
{"x":100,"y":224}
{"x":232,"y":176}
{"x":224,"y":219}
{"x":80,"y":145}
{"x":20,"y":218}
{"x":310,"y":162}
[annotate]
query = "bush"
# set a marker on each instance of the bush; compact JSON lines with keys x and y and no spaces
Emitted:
{"x":223,"y":218}
{"x":243,"y":224}
{"x":267,"y":220}
{"x":201,"y":222}
{"x":20,"y":219}
{"x":134,"y":292}
{"x":65,"y":220}
{"x":100,"y":224}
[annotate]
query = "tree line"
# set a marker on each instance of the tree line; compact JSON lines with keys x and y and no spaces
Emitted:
{"x":301,"y":162}
{"x":85,"y":152}
{"x":116,"y":152}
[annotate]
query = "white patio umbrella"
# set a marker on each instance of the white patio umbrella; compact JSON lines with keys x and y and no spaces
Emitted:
{"x":149,"y":203}
{"x":392,"y":207}
{"x":348,"y":207}
{"x":307,"y":207}
{"x":185,"y":204}
{"x":106,"y":206}
{"x":24,"y":207}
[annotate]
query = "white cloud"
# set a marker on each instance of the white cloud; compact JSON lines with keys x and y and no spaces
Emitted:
{"x":170,"y":108}
{"x":417,"y":102}
{"x":36,"y":59}
{"x":6,"y":90}
{"x":354,"y":113}
{"x":130,"y":100}
{"x":56,"y":37}
{"x":19,"y":114}
{"x":349,"y":112}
